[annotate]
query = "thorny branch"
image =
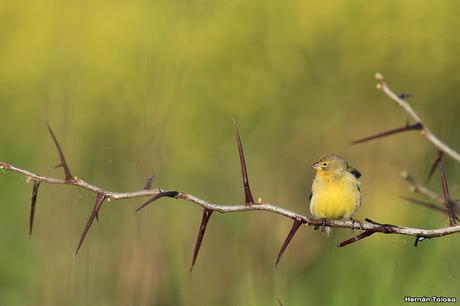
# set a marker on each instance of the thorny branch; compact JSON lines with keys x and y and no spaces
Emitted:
{"x":272,"y":208}
{"x":421,"y":189}
{"x":418,"y":125}
{"x":449,"y":204}
{"x":368,"y":227}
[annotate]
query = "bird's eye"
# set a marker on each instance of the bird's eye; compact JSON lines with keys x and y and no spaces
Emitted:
{"x":324,"y":165}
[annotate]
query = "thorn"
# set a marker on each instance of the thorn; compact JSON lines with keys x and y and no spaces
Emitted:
{"x":445,"y":189}
{"x":363,"y":235}
{"x":435,"y":163}
{"x":33,"y":202}
{"x":372,"y":221}
{"x":405,"y":96}
{"x":411,"y":127}
{"x":68,"y":175}
{"x":149,"y":182}
{"x":247,"y":191}
{"x":99,"y":200}
{"x":294,"y":228}
{"x":161,"y":194}
{"x":204,"y":222}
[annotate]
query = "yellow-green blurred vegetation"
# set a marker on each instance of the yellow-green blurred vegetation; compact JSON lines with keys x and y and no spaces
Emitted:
{"x":137,"y":87}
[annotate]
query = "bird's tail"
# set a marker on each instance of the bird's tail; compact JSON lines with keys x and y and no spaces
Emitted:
{"x":325,"y":230}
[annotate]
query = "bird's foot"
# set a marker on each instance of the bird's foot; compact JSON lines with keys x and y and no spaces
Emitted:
{"x":323,"y":222}
{"x":321,"y":226}
{"x":359,"y":224}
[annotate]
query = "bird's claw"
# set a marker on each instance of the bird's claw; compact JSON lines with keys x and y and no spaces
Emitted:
{"x":323,"y":222}
{"x":359,"y":224}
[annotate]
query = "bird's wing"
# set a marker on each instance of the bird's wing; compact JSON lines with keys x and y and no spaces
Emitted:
{"x":353,"y":171}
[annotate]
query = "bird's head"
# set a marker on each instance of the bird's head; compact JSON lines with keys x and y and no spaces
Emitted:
{"x":330,"y":164}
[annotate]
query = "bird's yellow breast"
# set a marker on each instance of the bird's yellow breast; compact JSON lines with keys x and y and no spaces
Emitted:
{"x":335,"y":197}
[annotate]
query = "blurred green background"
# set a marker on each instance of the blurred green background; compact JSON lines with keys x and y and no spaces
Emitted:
{"x":133,"y":88}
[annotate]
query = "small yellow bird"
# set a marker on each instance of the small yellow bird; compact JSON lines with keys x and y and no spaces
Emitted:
{"x":335,"y":190}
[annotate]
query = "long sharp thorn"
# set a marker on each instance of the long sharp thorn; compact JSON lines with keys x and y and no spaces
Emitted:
{"x":204,"y":222}
{"x":247,"y":191}
{"x":33,"y":202}
{"x":288,"y":239}
{"x":445,"y":189}
{"x":356,"y":238}
{"x":148,"y":183}
{"x":68,"y":174}
{"x":152,"y":199}
{"x":99,"y":200}
{"x":408,"y":127}
{"x":169,"y":194}
{"x":435,"y":164}
{"x":372,"y":221}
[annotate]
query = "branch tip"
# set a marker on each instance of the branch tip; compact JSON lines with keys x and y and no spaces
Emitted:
{"x":400,"y":100}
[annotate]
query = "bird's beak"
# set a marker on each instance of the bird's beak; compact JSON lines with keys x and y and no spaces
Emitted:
{"x":315,"y":166}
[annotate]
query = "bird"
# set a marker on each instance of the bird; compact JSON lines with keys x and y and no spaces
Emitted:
{"x":335,"y":191}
